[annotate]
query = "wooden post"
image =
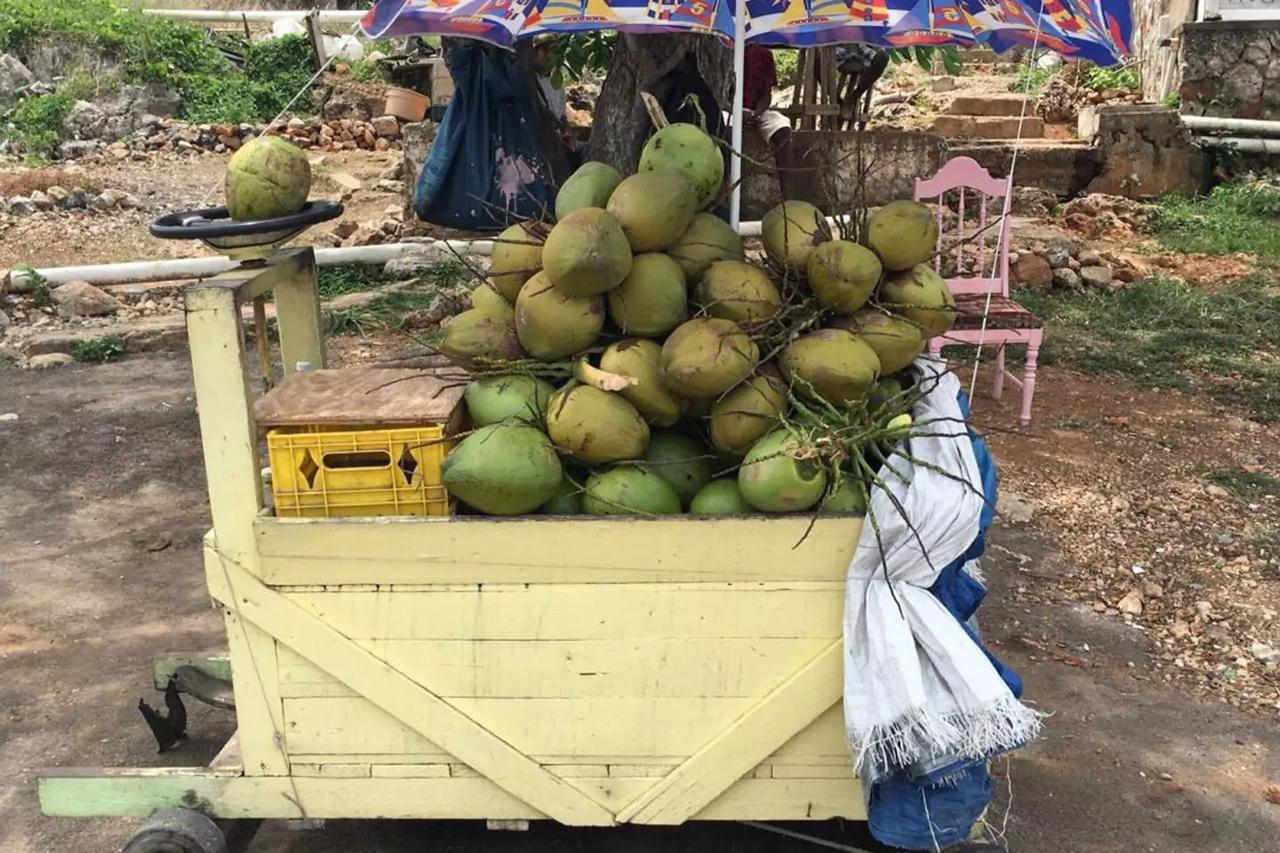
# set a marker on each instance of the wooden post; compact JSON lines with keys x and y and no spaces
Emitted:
{"x":298,"y":311}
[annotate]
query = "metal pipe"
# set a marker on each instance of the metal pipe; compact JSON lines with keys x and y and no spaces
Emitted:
{"x":258,"y":16}
{"x":1255,"y":127}
{"x":1249,"y":146}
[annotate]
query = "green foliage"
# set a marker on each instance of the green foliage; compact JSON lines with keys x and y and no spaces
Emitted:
{"x":577,"y":55}
{"x":98,"y":350}
{"x":347,"y":278}
{"x":787,"y":62}
{"x":274,"y":71}
{"x":1172,"y":101}
{"x":37,"y":123}
{"x":1030,"y":80}
{"x":1101,"y":79}
{"x":1232,"y":218}
{"x":949,"y":55}
{"x":366,"y":71}
{"x":1163,"y":333}
{"x":1244,"y":484}
{"x":40,"y":292}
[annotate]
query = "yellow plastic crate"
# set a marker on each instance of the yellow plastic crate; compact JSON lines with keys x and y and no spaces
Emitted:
{"x":358,"y":472}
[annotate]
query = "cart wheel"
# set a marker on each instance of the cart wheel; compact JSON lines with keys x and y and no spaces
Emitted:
{"x":177,"y":831}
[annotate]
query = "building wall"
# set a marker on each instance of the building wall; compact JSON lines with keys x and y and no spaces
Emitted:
{"x":1159,"y":62}
{"x":1231,"y":69}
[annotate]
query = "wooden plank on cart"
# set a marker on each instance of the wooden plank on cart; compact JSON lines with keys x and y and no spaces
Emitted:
{"x":405,"y":699}
{"x":766,"y":726}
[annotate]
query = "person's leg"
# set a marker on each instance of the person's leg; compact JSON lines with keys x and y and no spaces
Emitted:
{"x":776,"y":130}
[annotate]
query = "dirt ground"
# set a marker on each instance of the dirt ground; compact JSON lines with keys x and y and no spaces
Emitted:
{"x":103,"y":507}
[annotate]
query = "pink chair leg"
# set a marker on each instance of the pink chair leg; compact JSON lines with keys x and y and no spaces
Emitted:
{"x":1029,"y":379}
{"x":935,"y":347}
{"x":997,"y":389}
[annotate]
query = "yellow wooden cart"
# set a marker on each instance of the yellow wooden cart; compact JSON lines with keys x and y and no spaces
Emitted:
{"x":588,"y":671}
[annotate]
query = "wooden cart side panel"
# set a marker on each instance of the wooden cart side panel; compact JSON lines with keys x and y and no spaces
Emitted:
{"x":535,"y":550}
{"x":405,"y":699}
{"x":260,"y":715}
{"x":100,"y":792}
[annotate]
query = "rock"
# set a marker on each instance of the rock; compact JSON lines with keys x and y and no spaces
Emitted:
{"x":296,"y":123}
{"x":345,"y":228}
{"x":4,"y":320}
{"x":1096,"y":276}
{"x":394,"y":187}
{"x":8,"y":417}
{"x":1152,"y":589}
{"x":1131,"y":604}
{"x":345,"y":180}
{"x":345,"y":104}
{"x":1057,"y":256}
{"x":1180,"y":630}
{"x":131,"y":202}
{"x":1033,"y":201}
{"x":1073,"y":265}
{"x":74,"y":149}
{"x":393,"y":172}
{"x":81,"y":299}
{"x":21,"y":205}
{"x":41,"y":200}
{"x":1033,"y":271}
{"x":416,"y":261}
{"x":58,"y":195}
{"x":13,"y":76}
{"x":1066,"y":278}
{"x":108,"y":199}
{"x":47,"y":360}
{"x":943,"y":84}
{"x":1267,"y":654}
{"x":365,"y":235}
{"x":76,"y":199}
{"x":86,"y":120}
{"x":1014,"y":508}
{"x":387,"y":127}
{"x":1089,"y":258}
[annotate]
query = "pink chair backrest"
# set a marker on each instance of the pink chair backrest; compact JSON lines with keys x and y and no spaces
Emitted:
{"x":965,"y":173}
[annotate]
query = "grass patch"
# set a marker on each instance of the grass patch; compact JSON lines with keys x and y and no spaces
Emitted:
{"x":98,"y":350}
{"x":1161,"y":333}
{"x":1232,"y":218}
{"x":384,"y":313}
{"x":1244,"y":484}
{"x":27,"y":181}
{"x":347,"y":278}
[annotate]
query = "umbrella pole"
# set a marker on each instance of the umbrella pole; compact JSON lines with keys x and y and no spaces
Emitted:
{"x":735,"y":155}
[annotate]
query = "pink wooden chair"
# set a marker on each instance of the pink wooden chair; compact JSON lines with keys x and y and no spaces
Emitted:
{"x":972,"y":279}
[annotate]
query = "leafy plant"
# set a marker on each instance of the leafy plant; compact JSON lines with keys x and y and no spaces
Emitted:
{"x":787,"y":63}
{"x":949,"y":55}
{"x":38,"y":124}
{"x":578,"y":55}
{"x":1102,"y":79}
{"x":98,"y":350}
{"x":41,"y":295}
{"x":1172,"y":101}
{"x":275,"y":70}
{"x":1030,"y":80}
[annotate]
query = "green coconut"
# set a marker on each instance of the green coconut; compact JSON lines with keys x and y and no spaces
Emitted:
{"x":629,"y":491}
{"x":652,"y":299}
{"x":707,"y":239}
{"x":737,"y":291}
{"x":267,"y":177}
{"x":897,"y":341}
{"x":503,"y":469}
{"x":590,"y":185}
{"x":586,"y":253}
{"x":516,"y":256}
{"x":836,"y":364}
{"x":740,"y":418}
{"x":551,"y":324}
{"x":707,"y":356}
{"x":772,"y":479}
{"x":846,"y":498}
{"x":595,"y":426}
{"x":485,"y":298}
{"x":493,"y":399}
{"x":566,"y":500}
{"x":922,"y":297}
{"x":843,"y":275}
{"x":642,"y":360}
{"x":681,"y":460}
{"x":720,"y":497}
{"x":654,"y":209}
{"x":688,"y":149}
{"x":791,"y":231}
{"x":477,"y":334}
{"x":903,"y":234}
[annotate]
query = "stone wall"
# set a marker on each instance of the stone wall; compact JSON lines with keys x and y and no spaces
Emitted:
{"x":1156,"y":25}
{"x":1231,"y":69}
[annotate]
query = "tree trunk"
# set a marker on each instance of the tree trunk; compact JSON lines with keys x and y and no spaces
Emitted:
{"x":644,"y":63}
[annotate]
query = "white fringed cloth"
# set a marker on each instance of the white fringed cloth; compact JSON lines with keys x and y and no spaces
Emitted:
{"x":916,"y":686}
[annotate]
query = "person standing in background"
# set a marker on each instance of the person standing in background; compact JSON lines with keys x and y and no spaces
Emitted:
{"x":759,"y":78}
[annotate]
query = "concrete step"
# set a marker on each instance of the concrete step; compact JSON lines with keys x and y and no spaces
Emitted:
{"x":987,"y":127}
{"x":987,"y":105}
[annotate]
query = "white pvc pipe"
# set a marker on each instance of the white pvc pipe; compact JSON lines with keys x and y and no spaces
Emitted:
{"x":258,"y":16}
{"x":735,"y":156}
{"x":178,"y":268}
{"x":1249,"y":146}
{"x":1240,"y":125}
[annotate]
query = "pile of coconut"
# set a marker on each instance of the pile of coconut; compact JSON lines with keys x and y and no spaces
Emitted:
{"x":630,"y":359}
